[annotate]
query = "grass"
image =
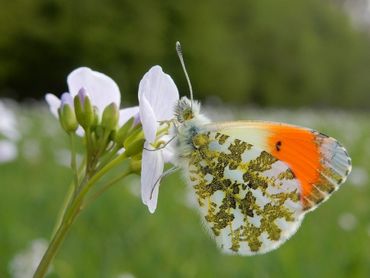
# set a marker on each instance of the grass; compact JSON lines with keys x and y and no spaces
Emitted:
{"x":118,"y":235}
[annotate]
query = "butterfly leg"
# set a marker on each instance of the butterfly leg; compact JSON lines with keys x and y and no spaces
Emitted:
{"x":164,"y":174}
{"x":161,"y":147}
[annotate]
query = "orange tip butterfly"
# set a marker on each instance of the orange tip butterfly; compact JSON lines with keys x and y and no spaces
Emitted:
{"x":255,"y":181}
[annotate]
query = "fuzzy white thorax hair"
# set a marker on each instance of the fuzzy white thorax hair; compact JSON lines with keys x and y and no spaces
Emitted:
{"x":190,"y":123}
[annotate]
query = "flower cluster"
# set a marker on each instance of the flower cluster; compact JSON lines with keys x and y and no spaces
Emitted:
{"x":91,"y":110}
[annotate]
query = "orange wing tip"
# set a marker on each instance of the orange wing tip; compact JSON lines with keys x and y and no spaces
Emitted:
{"x":319,"y":162}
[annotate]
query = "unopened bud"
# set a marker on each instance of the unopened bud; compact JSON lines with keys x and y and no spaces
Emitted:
{"x":123,"y":131}
{"x":110,"y":117}
{"x":135,"y":147}
{"x":135,"y":134}
{"x":134,"y":143}
{"x":95,"y":121}
{"x":67,"y":118}
{"x":84,"y":110}
{"x":67,"y":115}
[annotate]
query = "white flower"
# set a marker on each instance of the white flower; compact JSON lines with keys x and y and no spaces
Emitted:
{"x":8,"y":151}
{"x":8,"y":123}
{"x":128,"y":113}
{"x":100,"y":88}
{"x":158,"y":95}
{"x":24,"y":263}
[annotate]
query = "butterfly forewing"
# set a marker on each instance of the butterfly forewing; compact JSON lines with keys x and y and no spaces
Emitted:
{"x":250,"y":200}
{"x":319,"y":162}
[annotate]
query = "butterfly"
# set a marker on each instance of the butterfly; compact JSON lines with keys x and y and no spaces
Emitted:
{"x":255,"y":181}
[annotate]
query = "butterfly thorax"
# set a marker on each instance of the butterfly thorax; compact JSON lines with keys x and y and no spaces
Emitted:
{"x":190,"y":123}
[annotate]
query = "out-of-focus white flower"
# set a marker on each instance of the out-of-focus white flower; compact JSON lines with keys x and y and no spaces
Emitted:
{"x":359,"y":176}
{"x":125,"y":275}
{"x":101,"y":90}
{"x":158,"y":96}
{"x":347,"y":221}
{"x":8,"y":151}
{"x":8,"y":123}
{"x":24,"y":264}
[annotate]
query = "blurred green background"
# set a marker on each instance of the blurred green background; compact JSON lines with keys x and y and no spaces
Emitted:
{"x":279,"y":56}
{"x":283,"y":53}
{"x":117,"y":235}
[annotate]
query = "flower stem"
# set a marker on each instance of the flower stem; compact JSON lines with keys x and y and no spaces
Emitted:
{"x":71,"y":213}
{"x":74,"y":160}
{"x":53,"y":249}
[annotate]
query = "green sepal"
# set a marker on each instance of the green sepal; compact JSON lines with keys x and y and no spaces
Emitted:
{"x":84,"y":112}
{"x":135,"y":147}
{"x":110,"y":117}
{"x":95,"y":122}
{"x":121,"y":134}
{"x":67,"y":118}
{"x":135,"y":134}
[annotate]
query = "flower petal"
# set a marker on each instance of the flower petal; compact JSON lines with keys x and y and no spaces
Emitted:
{"x":101,"y":89}
{"x":160,"y":91}
{"x":54,"y":104}
{"x":8,"y":151}
{"x":151,"y":171}
{"x":127,"y":113}
{"x":9,"y":122}
{"x":66,"y":99}
{"x":169,"y":151}
{"x":148,"y":120}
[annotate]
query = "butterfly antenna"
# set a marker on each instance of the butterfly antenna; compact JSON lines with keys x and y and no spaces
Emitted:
{"x":181,"y":57}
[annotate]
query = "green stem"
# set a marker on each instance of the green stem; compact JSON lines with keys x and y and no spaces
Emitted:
{"x":74,"y":161}
{"x":70,"y":215}
{"x":67,"y":199}
{"x":53,"y":249}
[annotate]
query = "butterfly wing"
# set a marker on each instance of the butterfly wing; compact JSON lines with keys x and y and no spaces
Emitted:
{"x":254,"y":181}
{"x":250,"y":200}
{"x":320,"y":163}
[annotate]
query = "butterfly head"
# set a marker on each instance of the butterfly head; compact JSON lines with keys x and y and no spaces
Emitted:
{"x":185,"y":110}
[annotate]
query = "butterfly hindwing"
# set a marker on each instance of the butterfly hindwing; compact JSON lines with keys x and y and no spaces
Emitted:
{"x":249,"y":199}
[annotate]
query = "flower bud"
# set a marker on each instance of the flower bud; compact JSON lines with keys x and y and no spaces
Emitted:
{"x":67,"y":118}
{"x":84,"y":110}
{"x":96,"y":119}
{"x":110,"y":117}
{"x":136,"y":133}
{"x":123,"y":131}
{"x":135,"y":147}
{"x":67,"y":115}
{"x":134,"y":143}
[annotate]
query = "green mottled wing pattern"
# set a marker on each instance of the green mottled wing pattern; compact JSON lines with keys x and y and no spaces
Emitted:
{"x":249,"y":200}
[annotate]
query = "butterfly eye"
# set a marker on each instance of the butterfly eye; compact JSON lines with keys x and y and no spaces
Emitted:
{"x":187,"y":114}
